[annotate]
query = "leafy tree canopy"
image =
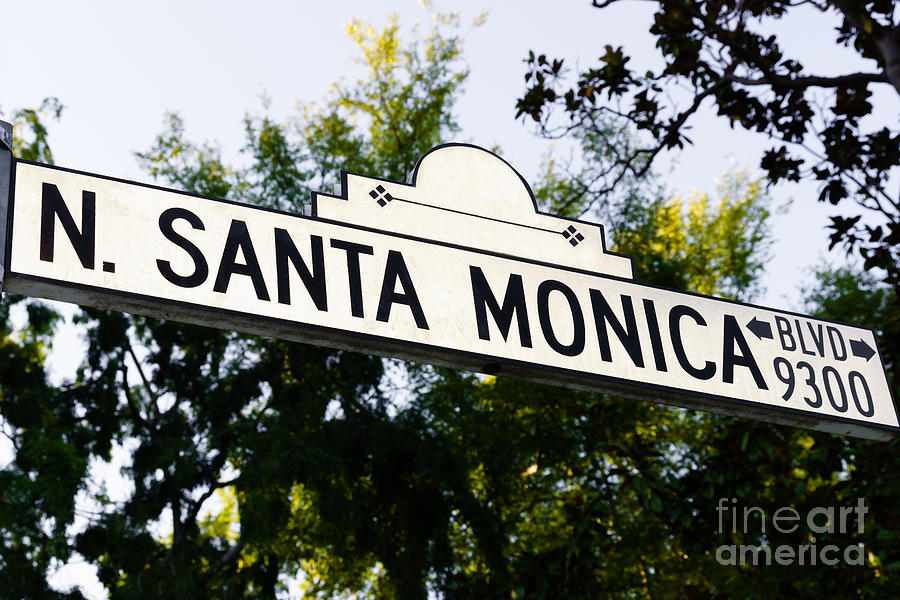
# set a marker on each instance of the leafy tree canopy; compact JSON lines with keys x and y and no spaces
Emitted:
{"x":722,"y":53}
{"x":315,"y":471}
{"x":30,"y":138}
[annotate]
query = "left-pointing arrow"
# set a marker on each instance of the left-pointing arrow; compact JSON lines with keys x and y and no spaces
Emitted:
{"x":760,"y":329}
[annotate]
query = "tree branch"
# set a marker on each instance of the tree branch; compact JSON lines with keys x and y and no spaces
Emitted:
{"x":849,"y":10}
{"x":229,"y":556}
{"x":154,"y":397}
{"x":733,"y":40}
{"x":198,"y":503}
{"x":811,"y":80}
{"x":819,"y":5}
{"x":133,"y":408}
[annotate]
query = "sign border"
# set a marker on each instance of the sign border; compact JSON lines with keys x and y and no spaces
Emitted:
{"x":255,"y":324}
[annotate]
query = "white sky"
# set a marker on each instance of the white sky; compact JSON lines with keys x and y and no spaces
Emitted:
{"x":118,"y":66}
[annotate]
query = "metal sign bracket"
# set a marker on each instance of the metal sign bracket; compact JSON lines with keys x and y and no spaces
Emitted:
{"x":6,"y":143}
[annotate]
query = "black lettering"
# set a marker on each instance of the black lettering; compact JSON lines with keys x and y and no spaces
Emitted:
{"x":678,"y":311}
{"x":543,"y":300}
{"x":832,"y":332}
{"x":655,"y":338}
{"x":353,"y":251}
{"x":826,"y":373}
{"x":513,"y":304}
{"x":239,"y":238}
{"x":83,"y":241}
{"x":870,"y":407}
{"x":627,"y":335}
{"x":803,"y":347}
{"x":285,"y":250}
{"x":819,"y":340}
{"x":201,"y":269}
{"x":733,"y":334}
{"x":811,"y":382}
{"x":784,"y":332}
{"x":395,"y":270}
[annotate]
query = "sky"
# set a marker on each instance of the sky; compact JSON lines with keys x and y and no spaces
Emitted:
{"x":117,"y":67}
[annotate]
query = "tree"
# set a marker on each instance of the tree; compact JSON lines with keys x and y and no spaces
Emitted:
{"x":327,"y":481}
{"x":721,"y":53}
{"x":51,"y":446}
{"x":658,"y":472}
{"x":479,"y":488}
{"x":717,"y":248}
{"x":599,"y":496}
{"x":30,"y":137}
{"x":318,"y":470}
{"x":315,"y":470}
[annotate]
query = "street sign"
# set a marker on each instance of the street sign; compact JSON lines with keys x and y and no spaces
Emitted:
{"x":456,"y":267}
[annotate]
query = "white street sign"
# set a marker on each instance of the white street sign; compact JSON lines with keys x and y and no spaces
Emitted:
{"x":457,"y":268}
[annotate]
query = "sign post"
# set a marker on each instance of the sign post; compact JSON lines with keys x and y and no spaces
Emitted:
{"x":454,"y":267}
{"x":6,"y":144}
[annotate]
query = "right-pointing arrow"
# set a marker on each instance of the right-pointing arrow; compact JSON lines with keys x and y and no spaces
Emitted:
{"x":760,"y":328}
{"x":861,"y":349}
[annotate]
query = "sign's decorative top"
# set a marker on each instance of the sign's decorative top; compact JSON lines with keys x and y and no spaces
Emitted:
{"x":455,"y":267}
{"x":466,"y":196}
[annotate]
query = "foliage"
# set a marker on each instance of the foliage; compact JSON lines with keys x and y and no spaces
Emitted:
{"x":602,"y":496}
{"x":846,"y":295}
{"x":589,"y":182}
{"x":319,"y":473}
{"x":723,"y":53}
{"x":50,"y":445}
{"x":613,"y":498}
{"x":326,"y":481}
{"x":30,"y":136}
{"x":189,"y":166}
{"x":712,"y":247}
{"x":272,"y":459}
{"x":420,"y":80}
